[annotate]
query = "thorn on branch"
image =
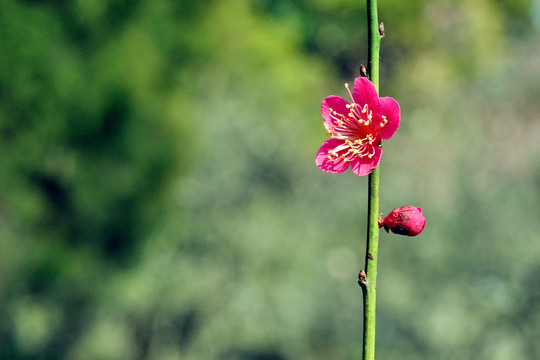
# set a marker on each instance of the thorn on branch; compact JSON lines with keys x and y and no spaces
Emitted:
{"x":369,"y":256}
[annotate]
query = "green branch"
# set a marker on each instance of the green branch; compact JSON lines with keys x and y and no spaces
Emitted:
{"x":369,"y":280}
{"x":374,"y":42}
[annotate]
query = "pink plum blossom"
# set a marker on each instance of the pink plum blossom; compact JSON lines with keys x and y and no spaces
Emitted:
{"x":356,"y":129}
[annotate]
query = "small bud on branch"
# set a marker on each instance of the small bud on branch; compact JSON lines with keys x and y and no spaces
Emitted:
{"x":381,"y":29}
{"x":363,"y":70}
{"x":362,"y":278}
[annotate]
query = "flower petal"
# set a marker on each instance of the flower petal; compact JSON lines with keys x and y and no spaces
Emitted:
{"x":335,"y":103}
{"x":390,"y":109}
{"x":363,"y":166}
{"x":332,"y":164}
{"x":365,"y":93}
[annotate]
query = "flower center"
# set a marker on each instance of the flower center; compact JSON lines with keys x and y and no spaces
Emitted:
{"x":357,"y":130}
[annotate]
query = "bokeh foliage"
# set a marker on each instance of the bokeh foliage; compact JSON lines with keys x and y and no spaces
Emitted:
{"x":159,"y":198}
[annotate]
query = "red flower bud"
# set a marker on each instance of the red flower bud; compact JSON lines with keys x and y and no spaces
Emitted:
{"x":406,"y":220}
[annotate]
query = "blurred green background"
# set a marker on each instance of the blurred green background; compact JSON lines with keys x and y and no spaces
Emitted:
{"x":159,"y":197}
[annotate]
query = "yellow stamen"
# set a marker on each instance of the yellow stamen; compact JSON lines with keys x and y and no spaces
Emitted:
{"x":364,"y":109}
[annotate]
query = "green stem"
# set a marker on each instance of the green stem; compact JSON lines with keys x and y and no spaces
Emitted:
{"x":374,"y":42}
{"x":370,"y":282}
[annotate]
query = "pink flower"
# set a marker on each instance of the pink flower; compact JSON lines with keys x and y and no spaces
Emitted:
{"x":406,"y":220}
{"x":356,"y":129}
